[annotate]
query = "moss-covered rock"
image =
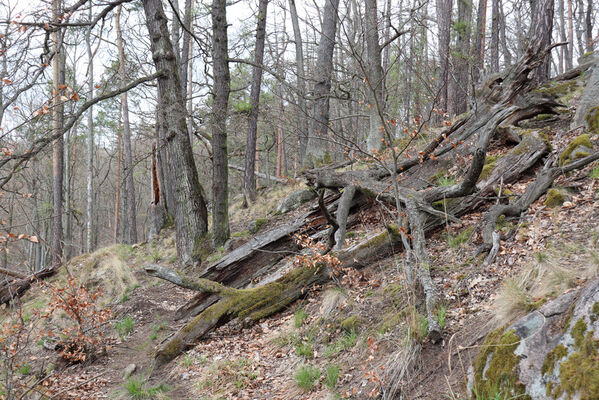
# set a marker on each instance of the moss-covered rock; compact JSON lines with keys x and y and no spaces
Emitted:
{"x":351,"y":323}
{"x":592,"y":120}
{"x":554,"y":198}
{"x":257,"y":224}
{"x":496,"y":366}
{"x":578,"y":148}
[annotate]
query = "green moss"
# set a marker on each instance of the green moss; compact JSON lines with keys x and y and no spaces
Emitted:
{"x":257,"y":224}
{"x":595,"y":312}
{"x":554,"y":198}
{"x":502,"y":372}
{"x":579,"y":374}
{"x":582,"y":140}
{"x":441,"y":205}
{"x":544,"y":117}
{"x":351,"y":323}
{"x":578,"y":331}
{"x":560,"y":351}
{"x":490,"y":164}
{"x":592,"y":120}
{"x":559,"y":89}
{"x":241,"y":234}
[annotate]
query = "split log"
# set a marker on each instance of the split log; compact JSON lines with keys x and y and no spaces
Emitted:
{"x":250,"y":305}
{"x":249,"y":262}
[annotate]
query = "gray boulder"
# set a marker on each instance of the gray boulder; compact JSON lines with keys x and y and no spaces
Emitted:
{"x":551,"y":353}
{"x":294,"y":200}
{"x":589,"y":99}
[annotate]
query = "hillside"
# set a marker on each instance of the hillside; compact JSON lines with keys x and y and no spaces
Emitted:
{"x":362,"y":335}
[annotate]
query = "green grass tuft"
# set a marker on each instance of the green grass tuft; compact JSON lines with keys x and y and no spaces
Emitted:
{"x":124,"y":327}
{"x":305,"y":377}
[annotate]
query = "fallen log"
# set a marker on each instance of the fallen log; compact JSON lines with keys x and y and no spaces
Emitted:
{"x":11,"y":289}
{"x":250,"y":305}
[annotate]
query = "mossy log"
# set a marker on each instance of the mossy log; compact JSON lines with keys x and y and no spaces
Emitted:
{"x":251,"y":305}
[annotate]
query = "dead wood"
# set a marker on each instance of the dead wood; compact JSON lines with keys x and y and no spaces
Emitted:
{"x":13,"y":288}
{"x":533,"y":192}
{"x":251,"y":305}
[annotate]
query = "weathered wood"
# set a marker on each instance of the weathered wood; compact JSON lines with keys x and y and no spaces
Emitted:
{"x":251,"y":305}
{"x":12,"y":289}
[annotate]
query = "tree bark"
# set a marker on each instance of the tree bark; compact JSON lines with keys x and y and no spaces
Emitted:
{"x":90,"y":143}
{"x":221,"y":88}
{"x":190,"y":209}
{"x":495,"y":37}
{"x":540,"y":36}
{"x":249,"y":178}
{"x":317,"y":147}
{"x":479,"y":42}
{"x":132,"y":220}
{"x":374,"y":79}
{"x":590,"y":41}
{"x":570,"y":46}
{"x":58,"y":146}
{"x":443,"y":8}
{"x":460,"y":83}
{"x":302,"y":116}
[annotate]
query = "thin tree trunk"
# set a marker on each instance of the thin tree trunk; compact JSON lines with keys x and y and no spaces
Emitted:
{"x":190,"y":209}
{"x":249,"y":178}
{"x":221,"y":89}
{"x":90,"y":142}
{"x":461,"y":57}
{"x":317,"y":146}
{"x":589,"y":26}
{"x":479,"y":41}
{"x":495,"y":37}
{"x":540,"y":35}
{"x":58,"y":146}
{"x":374,"y":77}
{"x":444,"y":23}
{"x":570,"y":53}
{"x":132,"y":228}
{"x":563,"y":52}
{"x":117,"y":196}
{"x":302,"y":117}
{"x":507,"y":55}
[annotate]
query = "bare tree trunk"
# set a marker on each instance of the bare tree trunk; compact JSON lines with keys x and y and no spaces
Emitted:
{"x":570,"y":52}
{"x":221,"y":89}
{"x":90,"y":142}
{"x":540,"y":35}
{"x":589,"y":26}
{"x":317,"y":146}
{"x":507,"y":55}
{"x":579,"y":28}
{"x":249,"y":178}
{"x":563,"y":52}
{"x":190,"y":209}
{"x":374,"y":78}
{"x":58,"y":146}
{"x":302,"y":117}
{"x":117,"y":196}
{"x":479,"y":41}
{"x":495,"y":37}
{"x":444,"y":23}
{"x":461,"y":57}
{"x":132,"y":237}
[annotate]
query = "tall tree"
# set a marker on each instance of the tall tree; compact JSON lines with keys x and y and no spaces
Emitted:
{"x":459,"y":85}
{"x":132,"y":228}
{"x":495,"y":19}
{"x":589,"y":26}
{"x":302,"y":117}
{"x":58,"y":146}
{"x":90,"y":140}
{"x":249,"y":177}
{"x":570,"y":46}
{"x":191,"y":216}
{"x":540,"y":35}
{"x":316,"y":148}
{"x":443,"y":8}
{"x":374,"y":77}
{"x":479,"y":41}
{"x":221,"y":89}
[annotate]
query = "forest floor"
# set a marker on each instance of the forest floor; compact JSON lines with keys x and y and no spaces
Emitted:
{"x":340,"y":341}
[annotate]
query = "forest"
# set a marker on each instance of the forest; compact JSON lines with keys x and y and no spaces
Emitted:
{"x":390,"y":199}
